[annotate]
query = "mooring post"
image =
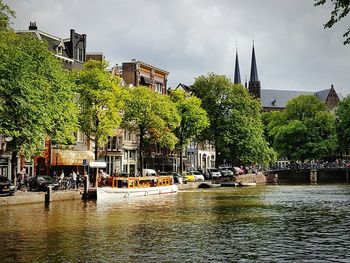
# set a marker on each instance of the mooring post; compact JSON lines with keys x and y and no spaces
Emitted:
{"x":48,"y":195}
{"x":86,"y":186}
{"x":313,"y":176}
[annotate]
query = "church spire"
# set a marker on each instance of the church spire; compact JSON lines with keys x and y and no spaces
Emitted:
{"x":254,"y":83}
{"x":237,"y":76}
{"x":253,"y":69}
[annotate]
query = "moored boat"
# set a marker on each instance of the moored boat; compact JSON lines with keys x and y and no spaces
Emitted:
{"x":119,"y":188}
{"x":229,"y":184}
{"x":247,"y":183}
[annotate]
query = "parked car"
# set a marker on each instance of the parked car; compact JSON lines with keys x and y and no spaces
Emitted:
{"x":197,"y":175}
{"x":214,"y":173}
{"x":226,"y":172}
{"x":6,"y":188}
{"x":178,"y":178}
{"x":41,"y":182}
{"x":149,"y":172}
{"x":238,"y":170}
{"x":188,"y":177}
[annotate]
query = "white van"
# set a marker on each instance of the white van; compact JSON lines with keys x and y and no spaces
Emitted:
{"x":149,"y":172}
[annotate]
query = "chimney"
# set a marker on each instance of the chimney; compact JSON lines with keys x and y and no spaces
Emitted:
{"x":32,"y":26}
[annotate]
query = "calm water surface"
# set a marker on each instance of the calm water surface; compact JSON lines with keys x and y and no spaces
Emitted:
{"x":258,"y":224}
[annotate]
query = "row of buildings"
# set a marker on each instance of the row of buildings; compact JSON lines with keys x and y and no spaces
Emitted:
{"x":121,"y":152}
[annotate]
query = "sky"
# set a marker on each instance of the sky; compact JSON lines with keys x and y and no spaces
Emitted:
{"x":189,"y":38}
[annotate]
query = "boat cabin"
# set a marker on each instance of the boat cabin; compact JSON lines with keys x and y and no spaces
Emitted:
{"x":139,"y":182}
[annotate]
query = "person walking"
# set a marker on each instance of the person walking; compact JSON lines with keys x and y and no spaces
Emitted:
{"x":61,"y":179}
{"x":74,"y":180}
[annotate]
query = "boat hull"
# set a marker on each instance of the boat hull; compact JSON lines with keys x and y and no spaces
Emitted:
{"x":110,"y":193}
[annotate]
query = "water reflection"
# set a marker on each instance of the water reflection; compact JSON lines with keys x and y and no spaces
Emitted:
{"x":270,"y":223}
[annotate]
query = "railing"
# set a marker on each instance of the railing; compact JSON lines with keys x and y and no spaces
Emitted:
{"x":306,"y":166}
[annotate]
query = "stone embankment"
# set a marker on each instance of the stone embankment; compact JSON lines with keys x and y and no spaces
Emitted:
{"x":258,"y":178}
{"x":39,"y":197}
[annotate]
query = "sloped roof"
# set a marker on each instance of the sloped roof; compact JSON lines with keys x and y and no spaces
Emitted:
{"x":279,"y":98}
{"x":183,"y":87}
{"x":323,"y":94}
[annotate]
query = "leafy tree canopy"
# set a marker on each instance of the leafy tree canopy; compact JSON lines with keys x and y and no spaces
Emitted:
{"x":100,"y":101}
{"x":36,"y":94}
{"x":304,"y":130}
{"x":151,"y":114}
{"x":340,"y":10}
{"x":5,"y":16}
{"x":343,"y":124}
{"x":235,"y":121}
{"x":193,"y":118}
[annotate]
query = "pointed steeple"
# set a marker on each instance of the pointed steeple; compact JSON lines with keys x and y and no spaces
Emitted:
{"x":253,"y":68}
{"x":237,"y":78}
{"x":254,"y":83}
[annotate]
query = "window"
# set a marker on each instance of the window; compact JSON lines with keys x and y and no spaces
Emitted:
{"x":159,"y":87}
{"x":80,"y":136}
{"x":114,"y":143}
{"x":76,"y":51}
{"x":59,"y":50}
{"x":132,"y":154}
{"x":79,"y":54}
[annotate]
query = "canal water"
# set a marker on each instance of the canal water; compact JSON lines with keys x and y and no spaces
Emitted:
{"x":309,"y":223}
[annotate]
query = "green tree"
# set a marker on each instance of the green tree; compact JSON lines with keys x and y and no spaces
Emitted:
{"x":340,"y":10}
{"x":193,"y":119}
{"x":151,"y":115}
{"x":100,"y":102}
{"x":37,"y":97}
{"x":5,"y":16}
{"x":235,"y":121}
{"x":304,"y":130}
{"x":343,"y":124}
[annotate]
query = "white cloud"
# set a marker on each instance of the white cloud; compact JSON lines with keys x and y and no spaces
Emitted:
{"x":193,"y":37}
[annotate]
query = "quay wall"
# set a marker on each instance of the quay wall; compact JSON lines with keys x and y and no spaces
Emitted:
{"x":297,"y":176}
{"x":258,"y":178}
{"x":21,"y":198}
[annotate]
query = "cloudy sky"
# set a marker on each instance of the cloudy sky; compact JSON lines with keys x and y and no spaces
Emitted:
{"x":189,"y":38}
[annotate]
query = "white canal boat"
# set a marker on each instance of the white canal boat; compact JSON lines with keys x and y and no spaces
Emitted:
{"x":120,"y":188}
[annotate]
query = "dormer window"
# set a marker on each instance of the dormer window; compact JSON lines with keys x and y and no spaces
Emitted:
{"x":59,"y":50}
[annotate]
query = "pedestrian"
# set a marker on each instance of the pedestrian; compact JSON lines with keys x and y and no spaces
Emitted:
{"x":61,"y":178}
{"x":74,"y":180}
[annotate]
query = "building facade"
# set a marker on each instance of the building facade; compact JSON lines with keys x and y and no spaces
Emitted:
{"x":71,"y":52}
{"x":138,"y":73}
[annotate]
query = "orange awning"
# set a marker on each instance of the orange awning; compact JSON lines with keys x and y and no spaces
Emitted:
{"x":70,"y":157}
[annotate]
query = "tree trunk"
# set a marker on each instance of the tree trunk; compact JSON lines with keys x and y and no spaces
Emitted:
{"x":181,"y":161}
{"x":140,"y":152}
{"x":217,"y":156}
{"x":13,"y":172}
{"x":95,"y":170}
{"x":96,"y":150}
